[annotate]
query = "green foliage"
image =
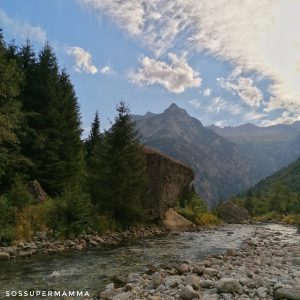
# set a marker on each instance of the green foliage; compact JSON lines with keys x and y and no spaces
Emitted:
{"x":7,"y":235}
{"x":40,"y":139}
{"x":19,"y":196}
{"x":123,"y":178}
{"x":52,"y":136}
{"x":276,"y":198}
{"x":94,"y":161}
{"x":278,"y":194}
{"x":193,"y":208}
{"x":71,"y":213}
{"x":94,"y":138}
{"x":7,"y":221}
{"x":10,"y":117}
{"x":103,"y":224}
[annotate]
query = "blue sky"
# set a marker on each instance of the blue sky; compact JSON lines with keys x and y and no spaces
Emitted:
{"x":225,"y":62}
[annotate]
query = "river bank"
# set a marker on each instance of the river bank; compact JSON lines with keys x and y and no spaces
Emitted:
{"x":42,"y":244}
{"x":267,"y":266}
{"x":93,"y":268}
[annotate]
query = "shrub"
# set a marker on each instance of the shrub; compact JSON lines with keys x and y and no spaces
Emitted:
{"x":103,"y":223}
{"x":19,"y":196}
{"x":207,"y":219}
{"x":7,"y":221}
{"x":7,"y":235}
{"x":270,"y":216}
{"x":32,"y":219}
{"x":202,"y":218}
{"x":291,"y":219}
{"x":71,"y":213}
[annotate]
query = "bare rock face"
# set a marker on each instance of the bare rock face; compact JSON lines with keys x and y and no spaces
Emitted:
{"x":35,"y":189}
{"x":167,"y":178}
{"x":233,"y":214}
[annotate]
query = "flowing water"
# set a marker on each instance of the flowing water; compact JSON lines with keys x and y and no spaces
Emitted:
{"x":90,"y":270}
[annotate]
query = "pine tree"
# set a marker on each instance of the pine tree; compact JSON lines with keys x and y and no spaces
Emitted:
{"x":94,"y":161}
{"x":94,"y":138}
{"x":10,"y":117}
{"x":123,"y":179}
{"x":54,"y":144}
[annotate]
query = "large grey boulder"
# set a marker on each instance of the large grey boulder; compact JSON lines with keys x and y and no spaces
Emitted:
{"x":233,"y":214}
{"x":167,"y":177}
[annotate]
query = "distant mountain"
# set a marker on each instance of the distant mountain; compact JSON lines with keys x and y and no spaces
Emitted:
{"x":288,"y":176}
{"x":221,"y":170}
{"x":267,"y":149}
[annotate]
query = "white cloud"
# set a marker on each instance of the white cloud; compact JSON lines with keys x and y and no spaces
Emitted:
{"x":221,"y":123}
{"x":129,"y":15}
{"x":285,"y":118}
{"x":207,"y":92}
{"x":22,"y":29}
{"x":244,"y":88}
{"x":219,"y":106}
{"x":83,"y":60}
{"x":260,"y":36}
{"x":106,"y":70}
{"x":175,"y":76}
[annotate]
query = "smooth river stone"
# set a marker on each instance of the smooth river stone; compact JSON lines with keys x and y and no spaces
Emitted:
{"x":289,"y":294}
{"x":296,"y":261}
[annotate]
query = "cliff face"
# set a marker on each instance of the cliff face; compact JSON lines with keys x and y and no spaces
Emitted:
{"x":167,"y":178}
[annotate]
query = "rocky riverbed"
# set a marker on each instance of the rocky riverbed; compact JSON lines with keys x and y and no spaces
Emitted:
{"x":267,"y":266}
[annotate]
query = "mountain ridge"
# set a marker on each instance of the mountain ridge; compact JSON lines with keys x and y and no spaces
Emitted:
{"x":226,"y":160}
{"x":185,"y":138}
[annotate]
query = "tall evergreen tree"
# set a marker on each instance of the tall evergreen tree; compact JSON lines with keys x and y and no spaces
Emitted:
{"x":123,"y":180}
{"x":10,"y":116}
{"x":94,"y":138}
{"x":94,"y":160}
{"x":54,"y":144}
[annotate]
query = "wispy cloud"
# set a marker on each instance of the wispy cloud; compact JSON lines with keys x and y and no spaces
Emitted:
{"x":83,"y":60}
{"x":175,"y":76}
{"x":285,"y":118}
{"x":22,"y":29}
{"x":219,"y":107}
{"x":225,"y":29}
{"x":244,"y":88}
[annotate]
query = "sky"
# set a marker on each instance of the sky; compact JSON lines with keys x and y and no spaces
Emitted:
{"x":227,"y":62}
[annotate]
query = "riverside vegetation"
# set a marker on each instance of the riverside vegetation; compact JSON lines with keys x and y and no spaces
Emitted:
{"x":93,"y":185}
{"x":275,"y":198}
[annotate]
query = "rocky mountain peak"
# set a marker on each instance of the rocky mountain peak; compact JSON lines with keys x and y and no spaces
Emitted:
{"x":173,"y":109}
